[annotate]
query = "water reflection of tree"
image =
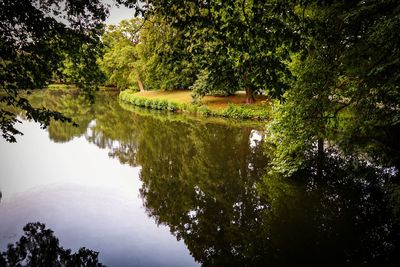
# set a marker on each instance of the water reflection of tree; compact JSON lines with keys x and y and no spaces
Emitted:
{"x":343,"y":218}
{"x":73,"y":106}
{"x":115,"y":129}
{"x":193,"y":171}
{"x":204,"y":188}
{"x":205,"y":182}
{"x":39,"y":247}
{"x":206,"y":192}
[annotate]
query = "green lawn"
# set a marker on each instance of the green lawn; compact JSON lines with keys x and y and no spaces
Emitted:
{"x":213,"y":102}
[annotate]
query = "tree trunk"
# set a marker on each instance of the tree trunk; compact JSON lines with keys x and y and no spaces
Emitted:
{"x":249,"y":96}
{"x":140,"y":84}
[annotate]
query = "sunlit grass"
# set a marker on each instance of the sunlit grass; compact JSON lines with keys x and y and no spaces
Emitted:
{"x":181,"y":96}
{"x":213,"y":102}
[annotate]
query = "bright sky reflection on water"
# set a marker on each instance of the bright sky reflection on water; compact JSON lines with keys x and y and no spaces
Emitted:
{"x":85,"y":197}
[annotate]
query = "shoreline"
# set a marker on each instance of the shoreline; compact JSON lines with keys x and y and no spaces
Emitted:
{"x":169,"y":102}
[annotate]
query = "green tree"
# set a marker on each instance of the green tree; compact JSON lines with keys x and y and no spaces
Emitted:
{"x":346,"y":85}
{"x":164,"y":62}
{"x":81,"y":69}
{"x":120,"y":54}
{"x":234,"y":44}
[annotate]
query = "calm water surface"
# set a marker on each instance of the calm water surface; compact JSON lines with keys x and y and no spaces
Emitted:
{"x":155,"y":189}
{"x":93,"y":185}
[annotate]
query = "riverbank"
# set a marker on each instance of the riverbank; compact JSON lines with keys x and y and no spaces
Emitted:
{"x":181,"y":101}
{"x":72,"y":87}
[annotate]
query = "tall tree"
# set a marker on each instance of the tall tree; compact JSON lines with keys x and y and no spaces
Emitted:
{"x":244,"y":44}
{"x":120,"y":53}
{"x":164,"y":62}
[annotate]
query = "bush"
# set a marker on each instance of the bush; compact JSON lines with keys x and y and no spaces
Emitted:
{"x":237,"y":112}
{"x":147,"y":103}
{"x":204,"y":110}
{"x":163,"y":105}
{"x":154,"y":104}
{"x":172,"y":106}
{"x":158,"y":104}
{"x":210,"y":83}
{"x":232,"y":111}
{"x":141,"y":102}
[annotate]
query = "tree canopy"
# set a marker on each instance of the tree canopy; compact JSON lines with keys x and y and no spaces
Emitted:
{"x":120,"y":53}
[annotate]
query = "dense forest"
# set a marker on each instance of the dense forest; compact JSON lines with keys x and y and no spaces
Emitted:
{"x":330,"y":68}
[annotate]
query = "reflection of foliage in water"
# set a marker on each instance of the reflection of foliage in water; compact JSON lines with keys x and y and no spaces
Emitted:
{"x":39,"y":247}
{"x":344,"y":217}
{"x":77,"y":108}
{"x":204,"y":181}
{"x":189,"y":173}
{"x":207,"y":194}
{"x":74,"y":106}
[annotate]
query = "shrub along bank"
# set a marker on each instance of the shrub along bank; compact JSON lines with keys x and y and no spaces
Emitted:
{"x":231,"y":110}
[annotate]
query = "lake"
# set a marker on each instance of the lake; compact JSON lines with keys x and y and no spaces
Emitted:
{"x":158,"y":189}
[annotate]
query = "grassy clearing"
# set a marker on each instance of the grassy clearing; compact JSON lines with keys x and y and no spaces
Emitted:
{"x":181,"y":101}
{"x":213,"y":102}
{"x":182,"y":96}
